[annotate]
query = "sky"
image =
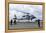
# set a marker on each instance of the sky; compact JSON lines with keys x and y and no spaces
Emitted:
{"x":18,"y":9}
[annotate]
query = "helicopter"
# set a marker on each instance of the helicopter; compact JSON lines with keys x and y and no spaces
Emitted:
{"x":28,"y":17}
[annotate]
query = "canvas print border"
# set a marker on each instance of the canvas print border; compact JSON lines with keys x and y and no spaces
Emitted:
{"x":21,"y":2}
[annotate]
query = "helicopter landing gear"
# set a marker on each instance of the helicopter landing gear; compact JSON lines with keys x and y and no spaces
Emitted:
{"x":38,"y":22}
{"x":11,"y":22}
{"x":14,"y":21}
